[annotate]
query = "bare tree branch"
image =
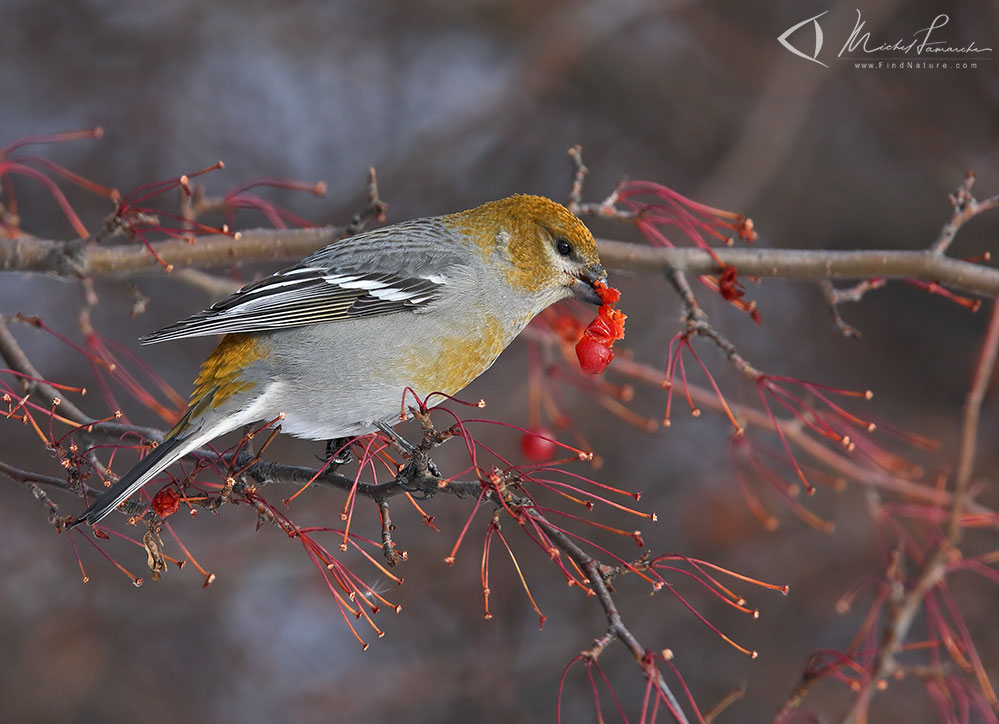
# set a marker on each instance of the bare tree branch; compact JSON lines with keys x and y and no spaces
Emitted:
{"x":806,"y":265}
{"x":966,"y":207}
{"x":28,"y":254}
{"x":972,"y":410}
{"x":592,"y":567}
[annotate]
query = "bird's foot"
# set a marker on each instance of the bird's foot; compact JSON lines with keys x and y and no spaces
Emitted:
{"x":338,"y":451}
{"x":421,"y":475}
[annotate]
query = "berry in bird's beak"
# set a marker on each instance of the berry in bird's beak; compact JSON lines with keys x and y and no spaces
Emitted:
{"x":584,"y":286}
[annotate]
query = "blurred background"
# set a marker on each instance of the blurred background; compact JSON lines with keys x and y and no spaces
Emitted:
{"x":456,"y":104}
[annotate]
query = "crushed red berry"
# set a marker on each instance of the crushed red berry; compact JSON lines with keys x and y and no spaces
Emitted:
{"x":593,"y":350}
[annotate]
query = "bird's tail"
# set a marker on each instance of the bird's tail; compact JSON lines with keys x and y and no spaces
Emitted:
{"x":161,"y":457}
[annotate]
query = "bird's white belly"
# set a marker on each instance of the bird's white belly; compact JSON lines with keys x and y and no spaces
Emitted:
{"x":314,"y":418}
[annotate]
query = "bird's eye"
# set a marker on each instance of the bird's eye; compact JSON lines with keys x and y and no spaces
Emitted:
{"x":563,"y":247}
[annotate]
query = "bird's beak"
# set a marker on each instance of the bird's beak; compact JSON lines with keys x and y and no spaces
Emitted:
{"x":584,"y":285}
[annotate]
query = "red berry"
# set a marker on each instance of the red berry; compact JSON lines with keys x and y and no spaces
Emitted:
{"x":593,"y":356}
{"x":536,"y":447}
{"x":166,"y":502}
{"x":594,"y":348}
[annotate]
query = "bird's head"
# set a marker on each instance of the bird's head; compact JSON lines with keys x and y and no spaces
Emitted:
{"x":540,"y":244}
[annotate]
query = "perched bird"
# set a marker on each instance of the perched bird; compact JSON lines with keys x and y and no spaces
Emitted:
{"x":333,"y":341}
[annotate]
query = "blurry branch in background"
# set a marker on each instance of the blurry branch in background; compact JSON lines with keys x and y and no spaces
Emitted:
{"x":136,"y":238}
{"x":908,"y":596}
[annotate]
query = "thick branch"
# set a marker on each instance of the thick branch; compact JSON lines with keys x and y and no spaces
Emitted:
{"x":63,"y":259}
{"x":810,"y":265}
{"x":38,"y":255}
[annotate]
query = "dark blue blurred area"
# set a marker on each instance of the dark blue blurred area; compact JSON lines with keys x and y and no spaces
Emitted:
{"x":456,"y":104}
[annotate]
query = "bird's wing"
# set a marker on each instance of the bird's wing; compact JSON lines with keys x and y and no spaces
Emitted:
{"x":330,"y":286}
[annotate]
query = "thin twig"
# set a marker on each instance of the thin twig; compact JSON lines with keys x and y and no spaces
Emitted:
{"x":969,"y":426}
{"x":966,"y":207}
{"x":392,"y":556}
{"x":697,"y":323}
{"x":728,"y":700}
{"x":854,"y":293}
{"x":592,"y":567}
{"x":579,"y":172}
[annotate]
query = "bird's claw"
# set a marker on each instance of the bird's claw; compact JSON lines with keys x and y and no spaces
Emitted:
{"x":338,"y":452}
